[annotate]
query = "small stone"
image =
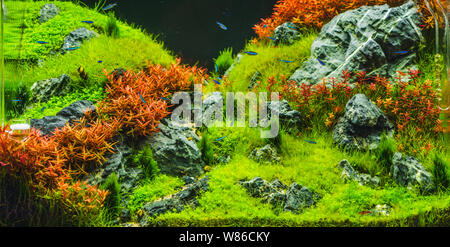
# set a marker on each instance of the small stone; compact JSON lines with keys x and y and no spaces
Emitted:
{"x":408,"y":171}
{"x":266,"y":154}
{"x":49,"y":11}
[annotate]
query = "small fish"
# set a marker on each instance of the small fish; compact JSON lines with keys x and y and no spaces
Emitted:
{"x":217,"y":68}
{"x":401,"y":52}
{"x":222,"y":26}
{"x":83,"y":73}
{"x":110,"y":6}
{"x":220,"y":78}
{"x":220,"y":139}
{"x":251,"y":53}
{"x":142,"y":98}
{"x":291,"y":27}
{"x":320,"y":61}
{"x":285,"y":61}
{"x":72,"y":48}
{"x":166,"y":99}
{"x":100,"y":61}
{"x":365,"y":212}
{"x":265,"y":25}
{"x":312,"y":142}
{"x":216,"y":82}
{"x":272,"y":38}
{"x":42,"y":42}
{"x":43,"y":109}
{"x":16,"y":100}
{"x":88,"y":22}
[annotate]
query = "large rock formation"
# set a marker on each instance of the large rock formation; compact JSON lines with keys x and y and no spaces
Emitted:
{"x":379,"y":40}
{"x":362,"y":125}
{"x":408,"y":171}
{"x":75,"y":111}
{"x":44,"y":90}
{"x":175,"y":149}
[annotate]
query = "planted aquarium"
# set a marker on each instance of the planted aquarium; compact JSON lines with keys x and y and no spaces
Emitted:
{"x":256,"y":113}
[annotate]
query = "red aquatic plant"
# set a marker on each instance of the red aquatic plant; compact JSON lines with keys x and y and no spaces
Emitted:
{"x":316,"y":13}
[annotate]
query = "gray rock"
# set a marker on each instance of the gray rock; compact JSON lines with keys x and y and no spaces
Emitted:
{"x":236,"y":62}
{"x":258,"y":187}
{"x":381,"y":210}
{"x":362,"y":125}
{"x":188,"y":180}
{"x":295,"y":199}
{"x":76,"y":38}
{"x":75,"y":111}
{"x":176,"y":151}
{"x":254,"y":81}
{"x":289,"y":118}
{"x":42,"y":91}
{"x":215,"y":98}
{"x":177,"y":202}
{"x":266,"y":154}
{"x":299,"y":198}
{"x":349,"y":173}
{"x":119,"y":162}
{"x":366,"y":39}
{"x":49,"y":11}
{"x":408,"y":171}
{"x":286,"y":34}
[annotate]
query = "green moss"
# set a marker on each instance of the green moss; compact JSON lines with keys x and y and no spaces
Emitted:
{"x":144,"y":159}
{"x":152,"y":190}
{"x":112,"y":202}
{"x":224,"y":61}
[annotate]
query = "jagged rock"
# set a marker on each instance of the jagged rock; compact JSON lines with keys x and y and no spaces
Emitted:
{"x":295,"y":199}
{"x":286,"y":34}
{"x":370,"y":39}
{"x":258,"y":187}
{"x":289,"y":118}
{"x":177,"y":202}
{"x":76,"y":38}
{"x":381,"y":210}
{"x":236,"y":62}
{"x":254,"y":80}
{"x":175,"y":149}
{"x":408,"y":171}
{"x":212,"y":100}
{"x":75,"y":111}
{"x":266,"y":154}
{"x":362,"y":125}
{"x":188,"y":180}
{"x":128,"y":173}
{"x":42,"y":91}
{"x":299,"y":198}
{"x":349,"y":173}
{"x":49,"y":11}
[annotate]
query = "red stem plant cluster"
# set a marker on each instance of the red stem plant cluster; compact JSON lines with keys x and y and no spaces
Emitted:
{"x":316,"y":13}
{"x":52,"y":166}
{"x":410,"y":101}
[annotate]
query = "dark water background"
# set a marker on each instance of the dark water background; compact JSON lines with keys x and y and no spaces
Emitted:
{"x":188,"y":27}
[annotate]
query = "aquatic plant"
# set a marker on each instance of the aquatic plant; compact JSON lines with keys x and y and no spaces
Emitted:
{"x":136,"y":97}
{"x":224,"y":61}
{"x":385,"y":152}
{"x":145,"y":160}
{"x":440,"y":173}
{"x":111,"y":27}
{"x":314,"y":14}
{"x":206,"y":149}
{"x":113,"y":199}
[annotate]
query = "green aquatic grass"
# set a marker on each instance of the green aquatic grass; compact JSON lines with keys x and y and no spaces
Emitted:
{"x":313,"y":166}
{"x":114,"y":53}
{"x":268,"y":63}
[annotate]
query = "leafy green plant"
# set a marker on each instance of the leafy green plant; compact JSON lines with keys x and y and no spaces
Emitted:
{"x":206,"y":149}
{"x":440,"y":173}
{"x":224,"y":60}
{"x":112,"y":201}
{"x":385,"y":152}
{"x":111,"y":27}
{"x":144,"y":158}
